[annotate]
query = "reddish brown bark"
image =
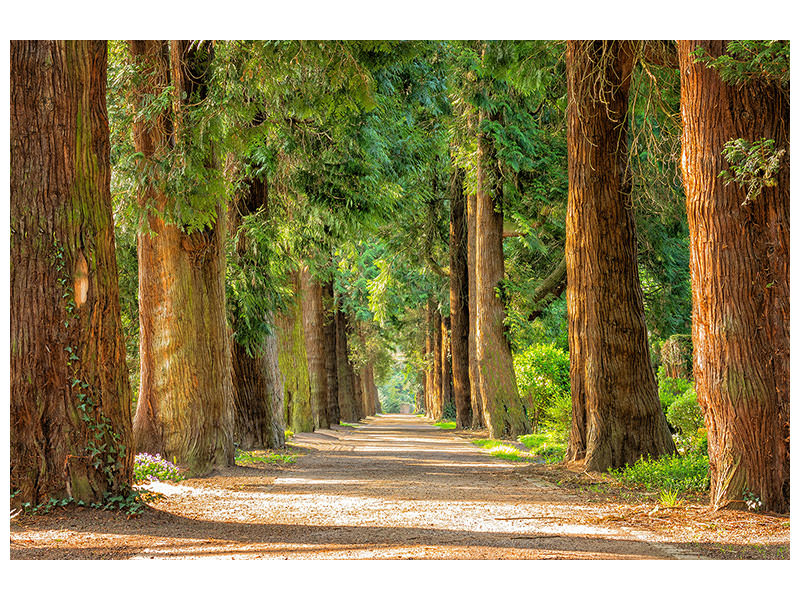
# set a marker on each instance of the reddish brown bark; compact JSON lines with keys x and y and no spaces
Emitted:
{"x":185,"y":408}
{"x":504,"y":412}
{"x":329,"y":348}
{"x":436,"y":369}
{"x":69,"y":382}
{"x":740,"y":283}
{"x":617,"y":417}
{"x":476,"y":403}
{"x":459,"y":301}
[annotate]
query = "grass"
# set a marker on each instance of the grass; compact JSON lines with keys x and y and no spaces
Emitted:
{"x":547,"y":445}
{"x":501,"y":449}
{"x":445,"y":424}
{"x":265,"y":457}
{"x":345,"y":424}
{"x":675,"y":473}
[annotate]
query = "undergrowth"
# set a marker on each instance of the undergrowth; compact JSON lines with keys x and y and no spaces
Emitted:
{"x":251,"y":457}
{"x":676,"y":473}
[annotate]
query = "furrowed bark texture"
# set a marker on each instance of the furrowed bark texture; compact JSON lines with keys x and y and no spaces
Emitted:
{"x":447,"y":367}
{"x":476,"y":402}
{"x":329,"y":348}
{"x":347,"y":395}
{"x":740,"y":284}
{"x":504,"y":412}
{"x":315,"y":347}
{"x":459,"y":301}
{"x":294,"y":363}
{"x":616,"y":413}
{"x":185,"y":408}
{"x":429,"y":393}
{"x":258,"y":396}
{"x":66,"y":335}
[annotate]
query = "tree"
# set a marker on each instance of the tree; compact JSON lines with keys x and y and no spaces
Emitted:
{"x":503,"y":410}
{"x":616,"y":415}
{"x":185,"y":407}
{"x":731,"y":96}
{"x":313,"y":317}
{"x":459,"y":300}
{"x":329,"y":342}
{"x":344,"y":369}
{"x":70,"y":395}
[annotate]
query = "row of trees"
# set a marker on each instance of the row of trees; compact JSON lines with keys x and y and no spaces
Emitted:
{"x":293,"y":217}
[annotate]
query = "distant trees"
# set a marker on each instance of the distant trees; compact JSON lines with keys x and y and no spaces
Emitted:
{"x":735,"y":113}
{"x":616,"y":415}
{"x":70,"y":395}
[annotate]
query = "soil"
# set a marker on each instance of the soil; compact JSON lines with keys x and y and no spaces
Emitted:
{"x":398,"y":487}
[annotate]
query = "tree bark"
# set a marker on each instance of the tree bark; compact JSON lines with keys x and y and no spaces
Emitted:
{"x":315,"y":347}
{"x":347,"y":395}
{"x":258,"y":396}
{"x":740,"y":283}
{"x":185,"y":408}
{"x":617,"y":417}
{"x":459,"y":301}
{"x":476,"y":403}
{"x":293,"y":363}
{"x":69,"y":382}
{"x":436,"y":372}
{"x":329,"y":348}
{"x":504,"y":412}
{"x":429,"y":393}
{"x":447,"y":367}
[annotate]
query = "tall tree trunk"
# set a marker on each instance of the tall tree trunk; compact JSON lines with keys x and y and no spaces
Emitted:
{"x":70,"y":394}
{"x":476,"y":403}
{"x":347,"y":394}
{"x":436,"y":374}
{"x":185,"y":408}
{"x":740,"y":283}
{"x":447,"y":367}
{"x":617,"y":417}
{"x":329,"y":348}
{"x":358,"y":388}
{"x":315,"y":347}
{"x":459,"y":301}
{"x":503,"y":410}
{"x":258,"y":396}
{"x":429,"y":394}
{"x":293,"y":363}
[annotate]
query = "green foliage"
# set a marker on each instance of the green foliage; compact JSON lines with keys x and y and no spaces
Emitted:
{"x":445,"y":424}
{"x":670,"y":388}
{"x":550,"y":445}
{"x":753,"y":165}
{"x":749,"y":60}
{"x":542,"y":373}
{"x":680,"y":474}
{"x":684,"y":414}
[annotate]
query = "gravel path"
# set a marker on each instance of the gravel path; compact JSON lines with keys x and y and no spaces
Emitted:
{"x":395,"y":487}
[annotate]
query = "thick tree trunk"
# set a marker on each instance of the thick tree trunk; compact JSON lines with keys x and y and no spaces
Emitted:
{"x":294,"y":363}
{"x":70,"y":394}
{"x":315,"y":347}
{"x":258,"y":396}
{"x":329,"y":348}
{"x":459,"y":301}
{"x":185,"y":408}
{"x":617,"y":417}
{"x":503,"y":410}
{"x":429,"y":393}
{"x":347,"y":395}
{"x":740,"y":284}
{"x":476,"y":403}
{"x":358,"y":388}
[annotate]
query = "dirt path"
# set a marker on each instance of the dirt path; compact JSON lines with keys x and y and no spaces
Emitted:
{"x":396,"y":487}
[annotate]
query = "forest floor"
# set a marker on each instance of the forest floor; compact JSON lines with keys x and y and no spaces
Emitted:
{"x":397,"y":487}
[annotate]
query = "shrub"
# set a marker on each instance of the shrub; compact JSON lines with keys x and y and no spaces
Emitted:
{"x":677,"y":473}
{"x":670,"y":388}
{"x":147,"y":467}
{"x":542,"y":372}
{"x":684,"y":414}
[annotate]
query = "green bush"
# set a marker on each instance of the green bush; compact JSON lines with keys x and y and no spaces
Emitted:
{"x":671,"y":388}
{"x":688,"y":473}
{"x":542,"y":372}
{"x":684,"y":413}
